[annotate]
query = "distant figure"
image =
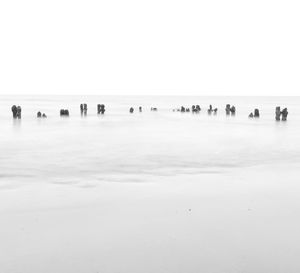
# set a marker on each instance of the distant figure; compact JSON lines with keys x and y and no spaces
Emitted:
{"x":198,"y":109}
{"x":140,"y":109}
{"x":44,"y":115}
{"x":153,"y":109}
{"x":227,"y":109}
{"x":131,"y":110}
{"x":215,"y":111}
{"x":100,"y":109}
{"x":256,"y":113}
{"x":187,"y":110}
{"x":64,"y":112}
{"x":284,"y":114}
{"x":182,"y":109}
{"x":277,"y":113}
{"x":251,"y":115}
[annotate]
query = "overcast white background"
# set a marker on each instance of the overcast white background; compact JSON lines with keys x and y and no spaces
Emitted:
{"x":150,"y":47}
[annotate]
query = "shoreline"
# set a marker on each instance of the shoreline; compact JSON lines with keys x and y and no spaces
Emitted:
{"x":237,"y":222}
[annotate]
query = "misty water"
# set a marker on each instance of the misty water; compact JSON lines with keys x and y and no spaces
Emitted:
{"x":149,"y":192}
{"x":125,"y":147}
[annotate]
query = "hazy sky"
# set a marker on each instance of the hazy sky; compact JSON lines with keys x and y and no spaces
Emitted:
{"x":212,"y":47}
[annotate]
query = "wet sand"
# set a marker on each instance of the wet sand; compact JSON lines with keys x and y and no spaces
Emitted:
{"x":242,"y":221}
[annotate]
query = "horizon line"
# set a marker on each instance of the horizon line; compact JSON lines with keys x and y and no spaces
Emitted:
{"x":152,"y":95}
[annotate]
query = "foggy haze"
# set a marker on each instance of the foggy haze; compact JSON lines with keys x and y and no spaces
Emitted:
{"x":150,"y":47}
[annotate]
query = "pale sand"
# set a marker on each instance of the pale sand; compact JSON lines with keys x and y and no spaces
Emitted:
{"x":246,"y":221}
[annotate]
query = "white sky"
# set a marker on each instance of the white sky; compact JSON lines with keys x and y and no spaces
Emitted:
{"x":212,"y":47}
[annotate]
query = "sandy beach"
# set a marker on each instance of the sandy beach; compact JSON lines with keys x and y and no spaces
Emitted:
{"x":206,"y":223}
{"x":149,"y":136}
{"x":152,"y":191}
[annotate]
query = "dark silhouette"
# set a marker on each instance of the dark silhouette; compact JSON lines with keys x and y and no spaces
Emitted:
{"x":210,"y":110}
{"x":227,"y":109}
{"x":196,"y":109}
{"x":64,"y":113}
{"x":140,"y":109}
{"x":39,"y":115}
{"x":100,"y":109}
{"x":131,"y":110}
{"x":16,"y":110}
{"x":232,"y":110}
{"x":83,"y":109}
{"x":19,"y":110}
{"x":277,"y":113}
{"x":284,"y":114}
{"x":193,"y":109}
{"x":255,"y":115}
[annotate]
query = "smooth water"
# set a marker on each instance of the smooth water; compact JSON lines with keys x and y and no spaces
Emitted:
{"x":125,"y":147}
{"x":162,"y":192}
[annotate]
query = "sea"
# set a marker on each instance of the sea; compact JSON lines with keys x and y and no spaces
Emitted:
{"x":152,"y":191}
{"x":123,"y":147}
